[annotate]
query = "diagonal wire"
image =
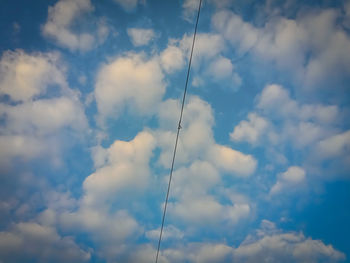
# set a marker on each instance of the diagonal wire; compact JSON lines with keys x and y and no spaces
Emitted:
{"x":178,"y":130}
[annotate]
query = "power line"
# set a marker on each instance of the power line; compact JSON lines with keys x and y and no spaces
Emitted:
{"x":178,"y":130}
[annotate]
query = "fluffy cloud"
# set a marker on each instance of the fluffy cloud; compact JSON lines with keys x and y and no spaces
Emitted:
{"x":334,"y":146}
{"x":123,"y":167}
{"x":196,"y":140}
{"x":198,"y":252}
{"x":29,"y":118}
{"x":131,"y":83}
{"x":232,"y":161}
{"x":140,"y":36}
{"x":60,"y":20}
{"x":43,"y":116}
{"x":169,"y":232}
{"x":209,"y":62}
{"x":126,"y":165}
{"x":272,"y":245}
{"x":295,"y":45}
{"x":281,"y":119}
{"x":291,"y":178}
{"x":250,"y":130}
{"x":24,"y":76}
{"x":190,"y":7}
{"x":314,"y":130}
{"x":207,"y":253}
{"x":172,"y":58}
{"x":268,"y":244}
{"x":128,"y":5}
{"x":335,"y":151}
{"x":105,"y":228}
{"x":32,"y":240}
{"x":200,"y":161}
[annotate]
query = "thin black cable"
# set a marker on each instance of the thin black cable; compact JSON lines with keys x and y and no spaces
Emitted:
{"x":178,"y":130}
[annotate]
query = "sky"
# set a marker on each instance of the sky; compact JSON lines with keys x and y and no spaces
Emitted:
{"x":90,"y":98}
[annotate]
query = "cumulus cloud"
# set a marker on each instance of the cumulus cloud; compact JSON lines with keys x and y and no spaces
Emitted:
{"x":61,"y":17}
{"x":169,"y":232}
{"x":232,"y":161}
{"x":141,"y":36}
{"x":32,"y":240}
{"x":209,"y":62}
{"x":172,"y":58}
{"x":24,"y":76}
{"x":123,"y":167}
{"x":131,"y":82}
{"x":281,"y":119}
{"x":296,"y":45}
{"x":250,"y":130}
{"x":335,"y":150}
{"x":334,"y":146}
{"x":267,"y":244}
{"x":209,"y":253}
{"x":201,"y":162}
{"x":31,"y":119}
{"x":126,"y":165}
{"x":190,"y":7}
{"x":272,"y":245}
{"x":196,"y":141}
{"x":293,"y":177}
{"x":43,"y":116}
{"x":127,"y":5}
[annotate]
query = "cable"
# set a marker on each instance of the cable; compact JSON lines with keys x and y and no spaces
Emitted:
{"x":178,"y":131}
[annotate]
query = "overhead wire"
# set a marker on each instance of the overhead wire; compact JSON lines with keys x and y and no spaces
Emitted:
{"x":178,"y":131}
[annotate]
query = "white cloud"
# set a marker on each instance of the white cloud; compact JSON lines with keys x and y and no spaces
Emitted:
{"x":193,"y":202}
{"x":169,"y":232}
{"x":208,"y":253}
{"x":199,"y":163}
{"x":172,"y":58}
{"x":130,"y":82}
{"x":128,"y":5}
{"x":190,"y":7}
{"x":281,"y":119}
{"x":346,"y":21}
{"x":31,"y":121}
{"x":268,"y":244}
{"x":275,"y":97}
{"x":122,"y":170}
{"x":209,"y":62}
{"x":288,"y":180}
{"x":106,"y":228}
{"x":145,"y":253}
{"x":334,"y":146}
{"x":24,"y":76}
{"x":195,"y":180}
{"x":20,"y":146}
{"x":126,"y":167}
{"x":207,"y":46}
{"x":294,"y":45}
{"x":198,"y":252}
{"x":60,"y":19}
{"x":233,"y":161}
{"x":196,"y":140}
{"x":31,"y":240}
{"x":44,"y":116}
{"x":141,"y":36}
{"x":251,"y":130}
{"x":335,"y":150}
{"x":271,"y":245}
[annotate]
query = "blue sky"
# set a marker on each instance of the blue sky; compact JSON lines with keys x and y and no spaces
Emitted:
{"x":90,"y":96}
